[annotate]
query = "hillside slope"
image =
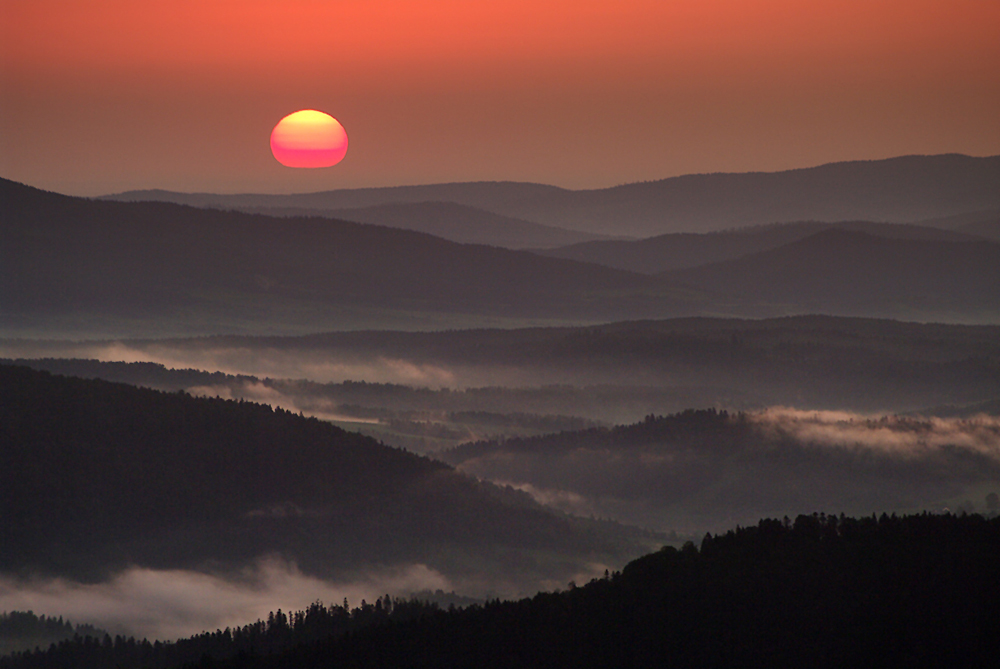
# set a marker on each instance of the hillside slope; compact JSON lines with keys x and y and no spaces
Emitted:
{"x":97,"y":476}
{"x":447,"y":220}
{"x":851,"y":271}
{"x":819,"y":592}
{"x":700,"y":470}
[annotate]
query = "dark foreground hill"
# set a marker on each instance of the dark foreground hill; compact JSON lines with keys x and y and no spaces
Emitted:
{"x":97,"y":476}
{"x":820,"y":592}
{"x":903,"y":189}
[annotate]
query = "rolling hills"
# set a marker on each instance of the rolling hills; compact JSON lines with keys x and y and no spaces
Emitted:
{"x":101,"y":268}
{"x":686,"y":250}
{"x":903,"y":189}
{"x":849,"y":271}
{"x":616,"y":372}
{"x":706,"y":469}
{"x":65,"y":256}
{"x":447,"y":220}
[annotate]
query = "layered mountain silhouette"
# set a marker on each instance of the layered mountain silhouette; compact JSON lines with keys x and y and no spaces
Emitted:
{"x":147,"y":259}
{"x":903,"y":189}
{"x":184,"y":269}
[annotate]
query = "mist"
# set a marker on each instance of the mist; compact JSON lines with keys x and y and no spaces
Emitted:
{"x":901,"y":436}
{"x":704,"y":474}
{"x":318,"y":366}
{"x":172,"y":604}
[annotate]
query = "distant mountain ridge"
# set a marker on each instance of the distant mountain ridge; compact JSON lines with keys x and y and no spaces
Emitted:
{"x":903,"y":189}
{"x":448,"y":220}
{"x":685,"y":250}
{"x":169,"y":269}
{"x":64,"y":253}
{"x":852,"y":270}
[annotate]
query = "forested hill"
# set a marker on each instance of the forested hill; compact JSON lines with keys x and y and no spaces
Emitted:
{"x":24,"y":631}
{"x":825,"y":592}
{"x":95,"y":476}
{"x":819,"y":592}
{"x":708,"y":469}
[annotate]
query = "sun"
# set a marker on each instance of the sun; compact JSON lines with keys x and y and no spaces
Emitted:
{"x":309,"y":138}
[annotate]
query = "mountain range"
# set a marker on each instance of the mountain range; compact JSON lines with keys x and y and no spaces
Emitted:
{"x":903,"y":189}
{"x":683,"y":250}
{"x":98,"y":267}
{"x":447,"y":220}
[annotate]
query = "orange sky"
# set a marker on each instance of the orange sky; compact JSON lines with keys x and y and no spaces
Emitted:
{"x":104,"y":95}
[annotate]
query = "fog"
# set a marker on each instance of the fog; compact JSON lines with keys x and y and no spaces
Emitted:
{"x":563,"y":500}
{"x":174,"y":604}
{"x":317,"y":407}
{"x":791,"y":461}
{"x":795,"y":460}
{"x":902,"y":436}
{"x":317,"y":366}
{"x":321,"y":366}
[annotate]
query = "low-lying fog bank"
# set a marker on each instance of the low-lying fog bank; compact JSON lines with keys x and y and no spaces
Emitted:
{"x":704,"y":470}
{"x":171,"y":604}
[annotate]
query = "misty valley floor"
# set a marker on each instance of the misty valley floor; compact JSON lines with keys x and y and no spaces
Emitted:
{"x":217,"y":410}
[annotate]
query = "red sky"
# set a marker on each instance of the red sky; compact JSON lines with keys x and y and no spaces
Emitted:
{"x":98,"y":96}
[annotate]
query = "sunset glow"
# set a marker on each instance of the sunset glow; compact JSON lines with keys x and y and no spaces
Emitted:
{"x":309,"y":138}
{"x":579,"y":94}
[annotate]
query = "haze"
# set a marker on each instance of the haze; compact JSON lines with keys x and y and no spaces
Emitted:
{"x":102,"y":96}
{"x":594,"y":282}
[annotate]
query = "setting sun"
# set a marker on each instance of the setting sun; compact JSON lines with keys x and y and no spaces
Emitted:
{"x":309,"y":138}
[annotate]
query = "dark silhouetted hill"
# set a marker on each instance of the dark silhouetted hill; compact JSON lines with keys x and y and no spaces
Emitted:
{"x":903,"y":189}
{"x":464,"y":224}
{"x":98,"y":476}
{"x":24,"y":631}
{"x":819,"y":592}
{"x":989,"y":229}
{"x":985,"y":221}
